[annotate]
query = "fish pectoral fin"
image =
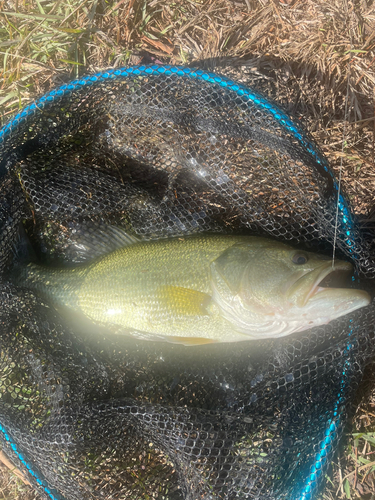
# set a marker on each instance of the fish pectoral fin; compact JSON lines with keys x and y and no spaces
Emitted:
{"x":189,"y":341}
{"x":183,"y":301}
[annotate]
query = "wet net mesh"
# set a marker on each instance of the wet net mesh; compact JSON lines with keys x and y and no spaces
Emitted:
{"x":161,"y":151}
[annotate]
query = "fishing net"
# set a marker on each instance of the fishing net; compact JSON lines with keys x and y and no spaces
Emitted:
{"x":162,"y":151}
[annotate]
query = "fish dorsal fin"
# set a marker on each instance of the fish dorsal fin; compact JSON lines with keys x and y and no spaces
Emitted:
{"x":92,"y":240}
{"x":183,"y":301}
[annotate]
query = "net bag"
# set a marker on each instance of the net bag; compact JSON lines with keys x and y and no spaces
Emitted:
{"x":162,"y":151}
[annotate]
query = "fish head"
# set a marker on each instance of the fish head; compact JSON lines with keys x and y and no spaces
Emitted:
{"x":269,"y":289}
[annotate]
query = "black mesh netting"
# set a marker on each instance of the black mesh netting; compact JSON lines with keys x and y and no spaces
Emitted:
{"x":165,"y":151}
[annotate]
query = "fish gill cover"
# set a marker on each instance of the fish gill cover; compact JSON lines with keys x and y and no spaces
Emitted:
{"x":162,"y":151}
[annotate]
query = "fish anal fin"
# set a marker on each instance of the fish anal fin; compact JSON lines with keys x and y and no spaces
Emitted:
{"x":184,"y":301}
{"x":190,"y":341}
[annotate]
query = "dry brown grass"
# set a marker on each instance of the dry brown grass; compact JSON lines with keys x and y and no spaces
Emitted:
{"x":308,"y":55}
{"x":13,"y":485}
{"x":304,"y":52}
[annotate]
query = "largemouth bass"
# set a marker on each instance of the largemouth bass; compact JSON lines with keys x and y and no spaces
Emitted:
{"x":201,"y":289}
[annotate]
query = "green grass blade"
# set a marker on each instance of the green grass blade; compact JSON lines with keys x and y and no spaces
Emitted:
{"x":33,"y":17}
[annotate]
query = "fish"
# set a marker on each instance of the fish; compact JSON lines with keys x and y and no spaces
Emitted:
{"x":200,"y":289}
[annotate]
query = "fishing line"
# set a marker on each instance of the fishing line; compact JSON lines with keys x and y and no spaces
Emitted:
{"x":346,"y":118}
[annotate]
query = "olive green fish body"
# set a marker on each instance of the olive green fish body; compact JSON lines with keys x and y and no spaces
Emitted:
{"x":206,"y":288}
{"x":161,"y":287}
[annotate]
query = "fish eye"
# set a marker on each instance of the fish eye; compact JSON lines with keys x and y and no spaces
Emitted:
{"x":299,"y":258}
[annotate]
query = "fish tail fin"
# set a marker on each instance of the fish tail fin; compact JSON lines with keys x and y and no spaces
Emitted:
{"x":57,"y":285}
{"x":22,"y":254}
{"x":22,"y":250}
{"x":21,"y":271}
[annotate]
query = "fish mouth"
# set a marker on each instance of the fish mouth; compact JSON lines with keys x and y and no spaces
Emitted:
{"x":325,"y":277}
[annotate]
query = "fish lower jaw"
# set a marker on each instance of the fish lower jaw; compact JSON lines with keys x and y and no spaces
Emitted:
{"x":283,"y":327}
{"x":336,"y":302}
{"x":276,"y":327}
{"x":315,"y":313}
